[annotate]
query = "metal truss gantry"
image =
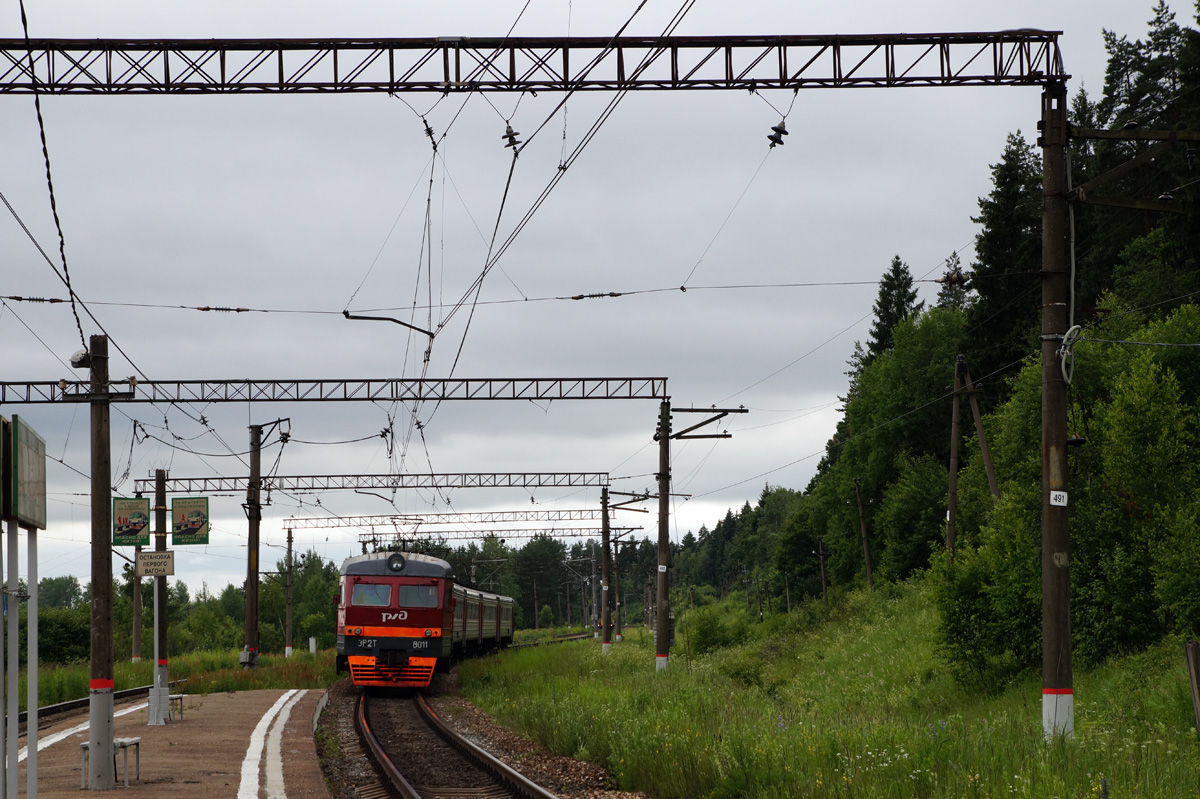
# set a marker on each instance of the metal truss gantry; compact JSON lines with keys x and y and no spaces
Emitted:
{"x":379,"y":482}
{"x":366,"y":390}
{"x":476,"y":535}
{"x":1024,"y":57}
{"x":422,"y":519}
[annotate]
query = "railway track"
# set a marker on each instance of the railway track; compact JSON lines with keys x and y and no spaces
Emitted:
{"x":419,"y":757}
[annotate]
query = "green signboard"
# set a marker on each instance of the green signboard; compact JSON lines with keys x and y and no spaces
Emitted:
{"x":189,"y":517}
{"x":131,"y":522}
{"x":27,"y":491}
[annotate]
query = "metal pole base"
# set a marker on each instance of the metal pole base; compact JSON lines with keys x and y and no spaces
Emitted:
{"x":660,"y":662}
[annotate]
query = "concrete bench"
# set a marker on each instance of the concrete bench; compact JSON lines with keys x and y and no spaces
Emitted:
{"x":176,"y":699}
{"x":123,"y":744}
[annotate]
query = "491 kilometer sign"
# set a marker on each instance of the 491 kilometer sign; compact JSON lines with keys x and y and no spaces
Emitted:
{"x":154,"y":564}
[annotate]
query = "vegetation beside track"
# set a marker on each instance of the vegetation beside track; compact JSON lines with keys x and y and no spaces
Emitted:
{"x":205,"y":672}
{"x":850,"y":701}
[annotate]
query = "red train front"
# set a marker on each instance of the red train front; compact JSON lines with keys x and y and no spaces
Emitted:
{"x":400,"y":616}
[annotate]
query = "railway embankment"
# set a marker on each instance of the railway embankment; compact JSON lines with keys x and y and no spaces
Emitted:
{"x":850,"y":700}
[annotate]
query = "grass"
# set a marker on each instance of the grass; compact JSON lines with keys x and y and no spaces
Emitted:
{"x":205,"y":672}
{"x":844,"y":703}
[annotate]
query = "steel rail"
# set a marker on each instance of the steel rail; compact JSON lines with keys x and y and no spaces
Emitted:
{"x":510,"y":778}
{"x":517,"y":64}
{"x":378,"y":756}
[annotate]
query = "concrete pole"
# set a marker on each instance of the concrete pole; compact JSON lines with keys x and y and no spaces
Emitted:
{"x":605,"y":612}
{"x":100,"y":690}
{"x":663,"y":621}
{"x":14,"y":640}
{"x":616,"y":584}
{"x":136,"y":655}
{"x":288,"y":640}
{"x":160,"y":695}
{"x":31,"y":660}
{"x":1058,"y":701}
{"x":5,"y":729}
{"x":249,"y":655}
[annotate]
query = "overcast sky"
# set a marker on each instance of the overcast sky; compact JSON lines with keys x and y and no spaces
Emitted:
{"x":304,"y":206}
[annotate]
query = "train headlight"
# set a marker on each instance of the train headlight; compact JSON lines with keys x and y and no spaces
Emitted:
{"x":428,"y":633}
{"x":358,"y":630}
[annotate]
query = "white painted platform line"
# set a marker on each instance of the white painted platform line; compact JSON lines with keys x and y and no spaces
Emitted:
{"x":275,"y":789}
{"x":250,"y":765}
{"x":58,"y":736}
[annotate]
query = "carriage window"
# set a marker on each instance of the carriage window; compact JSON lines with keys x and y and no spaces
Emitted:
{"x":371,"y":595}
{"x":418,"y":596}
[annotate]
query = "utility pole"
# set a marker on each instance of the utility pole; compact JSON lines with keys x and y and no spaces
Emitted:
{"x":821,"y":555}
{"x":1058,"y":701}
{"x":952,"y":498}
{"x":137,"y":608}
{"x":862,"y":524}
{"x":288,"y":640}
{"x":100,"y":689}
{"x":616,"y":592}
{"x":249,"y":656}
{"x":983,"y":445}
{"x":605,"y":618}
{"x":662,"y":645}
{"x":160,"y":694}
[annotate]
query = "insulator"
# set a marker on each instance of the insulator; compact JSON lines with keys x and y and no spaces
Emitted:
{"x":777,"y":133}
{"x":511,"y":135}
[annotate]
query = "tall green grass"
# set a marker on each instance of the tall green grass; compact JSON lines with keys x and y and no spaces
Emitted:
{"x":844,"y":703}
{"x":205,"y":672}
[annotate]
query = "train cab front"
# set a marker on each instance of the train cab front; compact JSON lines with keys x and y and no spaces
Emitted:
{"x":396,"y":657}
{"x":390,"y":631}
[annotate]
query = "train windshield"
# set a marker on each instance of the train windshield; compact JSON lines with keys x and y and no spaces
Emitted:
{"x":418,"y":596}
{"x":371,"y":595}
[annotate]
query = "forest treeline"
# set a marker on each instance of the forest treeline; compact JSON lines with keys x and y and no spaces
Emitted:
{"x":1134,"y":402}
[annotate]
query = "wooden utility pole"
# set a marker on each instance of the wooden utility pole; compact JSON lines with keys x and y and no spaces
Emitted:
{"x":1058,"y":701}
{"x":249,"y":656}
{"x":952,"y":498}
{"x":101,"y":773}
{"x":862,"y":524}
{"x":821,"y":555}
{"x":983,"y":445}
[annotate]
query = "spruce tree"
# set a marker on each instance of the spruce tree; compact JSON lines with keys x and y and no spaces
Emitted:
{"x":897,"y":301}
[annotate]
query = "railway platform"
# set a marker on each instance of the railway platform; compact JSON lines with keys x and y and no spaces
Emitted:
{"x":248,"y":745}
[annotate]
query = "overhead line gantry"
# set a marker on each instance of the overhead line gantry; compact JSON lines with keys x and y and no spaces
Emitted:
{"x":1024,"y":57}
